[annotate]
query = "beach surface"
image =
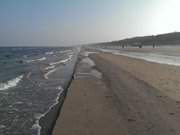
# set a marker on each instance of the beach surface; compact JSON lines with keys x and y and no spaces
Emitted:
{"x":118,"y":95}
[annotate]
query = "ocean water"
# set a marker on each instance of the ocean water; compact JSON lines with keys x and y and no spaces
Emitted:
{"x":169,"y":55}
{"x":31,"y":83}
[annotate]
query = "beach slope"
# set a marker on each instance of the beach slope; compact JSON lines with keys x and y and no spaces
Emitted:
{"x":114,"y":96}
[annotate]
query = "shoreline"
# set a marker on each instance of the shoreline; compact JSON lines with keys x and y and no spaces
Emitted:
{"x":163,"y":77}
{"x":30,"y":102}
{"x":48,"y":120}
{"x":150,"y":55}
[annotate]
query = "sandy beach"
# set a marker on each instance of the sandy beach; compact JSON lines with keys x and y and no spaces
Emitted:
{"x":165,"y":78}
{"x":118,"y":95}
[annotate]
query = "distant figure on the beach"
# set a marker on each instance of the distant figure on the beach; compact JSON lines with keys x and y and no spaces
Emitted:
{"x":123,"y":46}
{"x":140,"y":46}
{"x":154,"y":45}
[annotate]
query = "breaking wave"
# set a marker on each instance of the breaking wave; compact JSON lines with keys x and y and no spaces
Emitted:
{"x":61,"y":61}
{"x":40,"y":59}
{"x":11,"y":83}
{"x":49,"y":72}
{"x":37,"y":126}
{"x":49,"y":53}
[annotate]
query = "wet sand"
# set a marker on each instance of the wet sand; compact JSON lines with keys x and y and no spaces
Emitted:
{"x":163,"y":77}
{"x":133,"y":97}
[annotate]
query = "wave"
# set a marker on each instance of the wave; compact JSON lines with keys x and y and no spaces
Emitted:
{"x":49,"y":53}
{"x":86,"y":53}
{"x":88,"y":61}
{"x":61,"y":61}
{"x":53,"y":68}
{"x":50,"y":72}
{"x":50,"y":67}
{"x":65,"y":51}
{"x":11,"y":83}
{"x":40,"y":59}
{"x":37,"y":126}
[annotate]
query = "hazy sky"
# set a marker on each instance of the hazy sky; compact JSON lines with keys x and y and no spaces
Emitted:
{"x":71,"y":22}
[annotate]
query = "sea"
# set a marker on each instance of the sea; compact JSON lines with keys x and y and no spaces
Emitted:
{"x":32,"y":82}
{"x":165,"y":54}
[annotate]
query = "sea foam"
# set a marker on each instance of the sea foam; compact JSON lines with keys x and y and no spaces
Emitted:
{"x":49,"y":53}
{"x":49,"y":72}
{"x":40,"y":59}
{"x":11,"y":83}
{"x":37,"y":127}
{"x":61,"y":61}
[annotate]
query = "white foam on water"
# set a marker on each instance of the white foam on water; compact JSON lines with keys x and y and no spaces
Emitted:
{"x":86,"y":53}
{"x":37,"y":127}
{"x":59,"y":88}
{"x":88,"y":61}
{"x":91,"y":72}
{"x":96,"y":74}
{"x":40,"y":59}
{"x":38,"y":116}
{"x":49,"y":53}
{"x":65,"y":51}
{"x":50,"y":67}
{"x":11,"y":83}
{"x":107,"y":50}
{"x":61,"y":61}
{"x":2,"y":126}
{"x":49,"y":72}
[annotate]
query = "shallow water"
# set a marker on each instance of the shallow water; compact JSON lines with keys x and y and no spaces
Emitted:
{"x":30,"y":85}
{"x":163,"y":55}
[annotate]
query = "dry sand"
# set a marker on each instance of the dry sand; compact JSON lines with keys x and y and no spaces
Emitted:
{"x":133,"y":97}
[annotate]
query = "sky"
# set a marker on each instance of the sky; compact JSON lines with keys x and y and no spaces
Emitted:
{"x":76,"y":22}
